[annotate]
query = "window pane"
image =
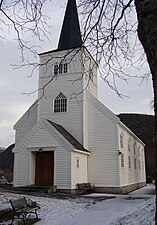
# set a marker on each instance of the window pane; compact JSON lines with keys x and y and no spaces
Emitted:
{"x":134,"y":163}
{"x":122,"y":160}
{"x":60,"y":68}
{"x":78,"y":163}
{"x":129,"y":144}
{"x":121,"y":140}
{"x":65,"y":67}
{"x":134,"y":147}
{"x":55,"y":69}
{"x":60,"y":103}
{"x":129,"y":161}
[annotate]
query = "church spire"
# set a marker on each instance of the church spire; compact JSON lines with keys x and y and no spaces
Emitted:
{"x":70,"y":36}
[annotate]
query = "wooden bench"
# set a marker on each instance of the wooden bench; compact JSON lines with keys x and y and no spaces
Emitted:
{"x":84,"y":188}
{"x":21,"y":208}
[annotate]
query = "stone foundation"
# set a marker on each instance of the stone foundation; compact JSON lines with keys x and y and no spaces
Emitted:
{"x":120,"y":190}
{"x":111,"y":190}
{"x":68,"y":191}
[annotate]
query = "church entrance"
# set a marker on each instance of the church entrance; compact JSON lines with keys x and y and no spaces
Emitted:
{"x":44,"y":171}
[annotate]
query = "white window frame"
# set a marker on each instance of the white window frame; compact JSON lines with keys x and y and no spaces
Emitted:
{"x":122,"y":140}
{"x":62,"y":103}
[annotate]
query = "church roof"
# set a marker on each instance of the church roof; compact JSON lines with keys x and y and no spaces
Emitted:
{"x":70,"y":36}
{"x":68,"y":136}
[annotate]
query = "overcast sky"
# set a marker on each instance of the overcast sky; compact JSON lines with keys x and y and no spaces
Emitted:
{"x":14,"y":82}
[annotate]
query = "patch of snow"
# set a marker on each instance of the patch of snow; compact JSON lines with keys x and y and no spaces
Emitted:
{"x":136,"y":208}
{"x":142,"y":215}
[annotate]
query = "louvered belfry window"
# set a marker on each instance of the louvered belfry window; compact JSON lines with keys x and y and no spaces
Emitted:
{"x":61,"y":68}
{"x":60,"y":103}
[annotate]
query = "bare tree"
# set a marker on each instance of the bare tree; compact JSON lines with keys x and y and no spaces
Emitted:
{"x":122,"y":34}
{"x":23,"y":17}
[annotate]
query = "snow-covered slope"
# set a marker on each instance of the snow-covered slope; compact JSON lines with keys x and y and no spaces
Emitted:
{"x":136,"y":208}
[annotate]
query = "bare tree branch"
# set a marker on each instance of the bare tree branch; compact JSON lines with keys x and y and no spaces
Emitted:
{"x":110,"y":34}
{"x":23,"y":17}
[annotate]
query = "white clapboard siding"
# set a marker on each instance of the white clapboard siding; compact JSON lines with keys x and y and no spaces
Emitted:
{"x":131,"y":175}
{"x":37,"y":139}
{"x":26,"y":122}
{"x":89,"y":73}
{"x":21,"y":168}
{"x":79,"y":172}
{"x":70,"y":120}
{"x":63,"y":169}
{"x":102,"y":143}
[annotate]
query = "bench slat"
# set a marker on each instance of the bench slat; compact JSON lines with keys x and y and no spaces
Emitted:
{"x":21,"y":209}
{"x":19,"y":203}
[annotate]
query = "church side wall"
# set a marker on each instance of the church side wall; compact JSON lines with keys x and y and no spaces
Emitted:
{"x":132,"y":158}
{"x":102,"y":144}
{"x":79,"y":165}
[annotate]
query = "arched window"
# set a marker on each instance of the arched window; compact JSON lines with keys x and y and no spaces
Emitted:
{"x":129,"y":144}
{"x":121,"y":140}
{"x":134,"y":147}
{"x":60,"y":103}
{"x":139,"y":150}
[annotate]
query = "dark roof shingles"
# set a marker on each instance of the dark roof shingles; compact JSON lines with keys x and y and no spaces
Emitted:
{"x":70,"y":36}
{"x":68,"y":136}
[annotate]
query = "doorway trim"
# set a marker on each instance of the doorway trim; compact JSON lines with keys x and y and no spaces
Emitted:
{"x":32,"y":168}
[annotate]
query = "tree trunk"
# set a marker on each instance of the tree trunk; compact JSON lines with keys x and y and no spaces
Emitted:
{"x":147,"y":33}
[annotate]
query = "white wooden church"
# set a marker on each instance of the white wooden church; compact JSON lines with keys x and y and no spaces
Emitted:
{"x":68,"y":136}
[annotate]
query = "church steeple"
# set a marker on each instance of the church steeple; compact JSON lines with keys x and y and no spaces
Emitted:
{"x":70,"y":36}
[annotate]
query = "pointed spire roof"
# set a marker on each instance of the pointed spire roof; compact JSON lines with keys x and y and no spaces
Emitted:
{"x":70,"y":36}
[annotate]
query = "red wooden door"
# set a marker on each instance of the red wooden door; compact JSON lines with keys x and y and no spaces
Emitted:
{"x":44,"y":172}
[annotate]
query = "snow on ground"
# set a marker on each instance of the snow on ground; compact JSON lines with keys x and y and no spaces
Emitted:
{"x":141,"y":215}
{"x":136,"y":208}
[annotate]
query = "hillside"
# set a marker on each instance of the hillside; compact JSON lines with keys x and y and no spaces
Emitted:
{"x":144,"y":127}
{"x":2,"y":149}
{"x":6,"y":160}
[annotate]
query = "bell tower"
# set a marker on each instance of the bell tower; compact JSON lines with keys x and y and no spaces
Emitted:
{"x":65,"y":75}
